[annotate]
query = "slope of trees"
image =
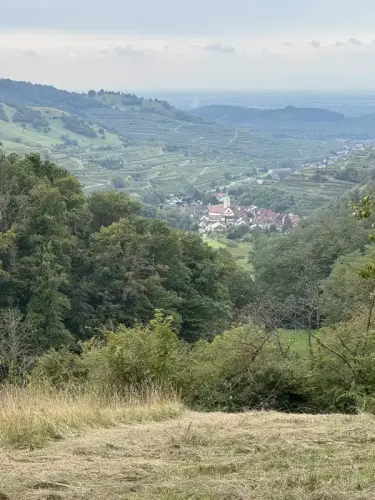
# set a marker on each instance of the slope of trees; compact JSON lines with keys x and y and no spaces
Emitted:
{"x":314,"y":270}
{"x":70,"y":265}
{"x":78,"y":126}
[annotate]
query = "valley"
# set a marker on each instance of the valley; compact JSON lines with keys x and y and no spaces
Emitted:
{"x":139,"y":145}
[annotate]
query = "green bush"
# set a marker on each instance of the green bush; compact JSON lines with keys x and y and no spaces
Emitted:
{"x":59,"y":368}
{"x":232,"y":244}
{"x":135,"y":356}
{"x":243,"y":369}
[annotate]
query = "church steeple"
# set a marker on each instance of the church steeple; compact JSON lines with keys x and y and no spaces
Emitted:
{"x":226,"y":201}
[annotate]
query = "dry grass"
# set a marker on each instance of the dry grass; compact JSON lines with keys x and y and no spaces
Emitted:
{"x":260,"y":456}
{"x":31,"y":417}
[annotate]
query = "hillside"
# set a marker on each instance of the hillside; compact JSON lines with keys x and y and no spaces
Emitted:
{"x":240,"y":114}
{"x":144,"y":145}
{"x":214,"y":456}
{"x":291,"y":121}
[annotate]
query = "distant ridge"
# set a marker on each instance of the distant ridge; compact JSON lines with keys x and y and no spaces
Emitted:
{"x":239,"y":114}
{"x":35,"y":94}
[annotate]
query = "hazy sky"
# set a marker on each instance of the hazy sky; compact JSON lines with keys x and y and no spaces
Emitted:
{"x":194,"y":44}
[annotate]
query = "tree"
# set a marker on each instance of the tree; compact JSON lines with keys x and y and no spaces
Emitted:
{"x":15,"y":341}
{"x":345,"y":292}
{"x":118,"y":182}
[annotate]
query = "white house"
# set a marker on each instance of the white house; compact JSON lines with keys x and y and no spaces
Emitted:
{"x":217,"y":226}
{"x":175,"y":200}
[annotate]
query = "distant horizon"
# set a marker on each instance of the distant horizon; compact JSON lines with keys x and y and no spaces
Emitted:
{"x":201,"y":90}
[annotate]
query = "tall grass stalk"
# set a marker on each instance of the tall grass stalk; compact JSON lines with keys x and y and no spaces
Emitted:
{"x":31,"y":416}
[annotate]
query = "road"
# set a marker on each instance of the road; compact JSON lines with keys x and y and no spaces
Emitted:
{"x":234,"y":137}
{"x":92,"y":186}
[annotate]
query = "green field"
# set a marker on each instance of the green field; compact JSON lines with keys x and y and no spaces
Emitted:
{"x":239,"y":250}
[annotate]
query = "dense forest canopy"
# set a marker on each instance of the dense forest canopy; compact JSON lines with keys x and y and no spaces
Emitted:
{"x":71,"y":264}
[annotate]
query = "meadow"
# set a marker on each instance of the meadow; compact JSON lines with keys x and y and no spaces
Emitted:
{"x":161,"y":450}
{"x":239,"y":250}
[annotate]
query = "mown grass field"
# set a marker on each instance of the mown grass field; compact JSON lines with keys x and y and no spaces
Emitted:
{"x":197,"y":456}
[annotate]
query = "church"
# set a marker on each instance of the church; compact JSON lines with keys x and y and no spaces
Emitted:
{"x":221,"y":213}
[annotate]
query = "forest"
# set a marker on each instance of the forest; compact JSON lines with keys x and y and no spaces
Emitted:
{"x":98,"y":289}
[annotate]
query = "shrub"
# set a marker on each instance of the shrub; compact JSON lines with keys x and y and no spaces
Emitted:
{"x":59,"y":368}
{"x":243,"y":369}
{"x":136,"y":356}
{"x":232,"y":244}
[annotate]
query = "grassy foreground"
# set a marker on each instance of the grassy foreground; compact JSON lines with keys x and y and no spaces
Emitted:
{"x":202,"y":457}
{"x":32,"y":417}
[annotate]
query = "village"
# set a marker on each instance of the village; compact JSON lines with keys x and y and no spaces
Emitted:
{"x":225,"y":216}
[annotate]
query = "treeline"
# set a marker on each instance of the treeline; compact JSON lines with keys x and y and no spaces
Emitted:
{"x":310,"y":277}
{"x":28,"y":94}
{"x":3,"y":115}
{"x":78,"y":126}
{"x":358,"y":169}
{"x":72,"y":265}
{"x":246,"y":367}
{"x":25,"y":115}
{"x":276,"y":198}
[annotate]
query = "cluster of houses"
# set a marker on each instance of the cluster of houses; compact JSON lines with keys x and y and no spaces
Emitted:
{"x":226,"y":216}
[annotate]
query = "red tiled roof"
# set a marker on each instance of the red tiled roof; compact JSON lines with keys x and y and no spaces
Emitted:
{"x":220,"y":195}
{"x":217,"y":209}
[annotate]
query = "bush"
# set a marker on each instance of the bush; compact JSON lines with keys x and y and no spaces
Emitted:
{"x":59,"y":368}
{"x":136,"y":356}
{"x":129,"y":357}
{"x":232,"y":244}
{"x":243,"y":369}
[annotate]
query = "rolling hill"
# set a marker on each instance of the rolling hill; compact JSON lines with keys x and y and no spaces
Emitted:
{"x":240,"y":114}
{"x":291,"y":121}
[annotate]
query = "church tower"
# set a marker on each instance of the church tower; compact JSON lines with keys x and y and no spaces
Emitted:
{"x":226,"y":201}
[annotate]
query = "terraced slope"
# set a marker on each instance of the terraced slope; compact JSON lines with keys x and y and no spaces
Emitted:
{"x":147,"y":144}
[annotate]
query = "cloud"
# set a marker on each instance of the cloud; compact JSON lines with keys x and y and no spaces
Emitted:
{"x":287,"y":44}
{"x":127,"y":51}
{"x":316,"y":44}
{"x":355,"y":41}
{"x":211,"y":17}
{"x":339,"y":44}
{"x":218,"y":47}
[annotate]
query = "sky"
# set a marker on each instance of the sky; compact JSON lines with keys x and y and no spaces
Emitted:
{"x":190,"y":45}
